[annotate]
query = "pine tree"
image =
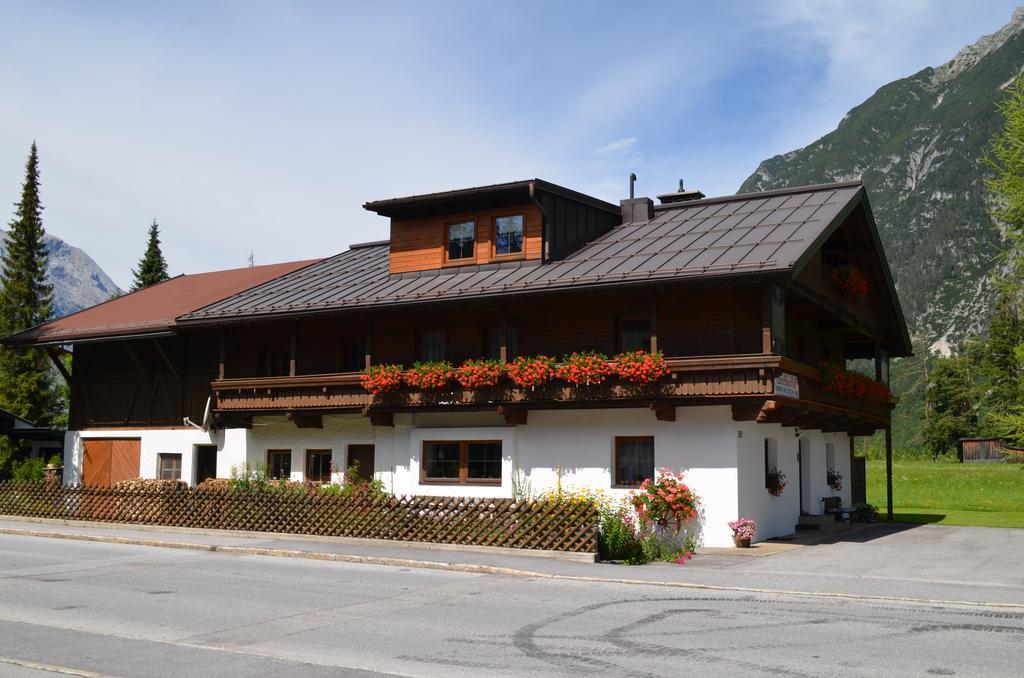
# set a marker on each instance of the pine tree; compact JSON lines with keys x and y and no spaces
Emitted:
{"x":1000,"y":364}
{"x":952,"y":415}
{"x":26,"y":377}
{"x":152,"y":267}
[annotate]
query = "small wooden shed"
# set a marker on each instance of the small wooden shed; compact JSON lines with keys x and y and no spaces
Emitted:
{"x":982,"y":449}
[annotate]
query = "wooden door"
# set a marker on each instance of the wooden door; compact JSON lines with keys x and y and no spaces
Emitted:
{"x":107,"y":461}
{"x":362,"y":455}
{"x":206,"y":462}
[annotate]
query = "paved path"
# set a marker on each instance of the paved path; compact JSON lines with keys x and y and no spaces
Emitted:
{"x":113,"y":609}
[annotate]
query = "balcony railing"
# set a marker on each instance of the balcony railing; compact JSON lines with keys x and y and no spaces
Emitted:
{"x":753,"y":378}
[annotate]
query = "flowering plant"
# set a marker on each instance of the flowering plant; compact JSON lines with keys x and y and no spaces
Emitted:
{"x":477,"y":373}
{"x":835,"y":479}
{"x":381,"y":378}
{"x":640,"y":366}
{"x":531,"y":372}
{"x":744,"y":528}
{"x":853,"y":385}
{"x":430,"y":374}
{"x":851,"y":282}
{"x":664,"y":499}
{"x":775,"y":482}
{"x":584,"y":367}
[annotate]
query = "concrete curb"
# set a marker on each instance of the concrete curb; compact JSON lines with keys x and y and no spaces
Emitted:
{"x":491,"y":569}
{"x":354,"y":541}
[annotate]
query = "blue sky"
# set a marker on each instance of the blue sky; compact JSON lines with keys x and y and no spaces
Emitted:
{"x":265,"y":126}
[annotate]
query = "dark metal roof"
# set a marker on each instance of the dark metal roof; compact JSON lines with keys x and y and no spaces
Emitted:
{"x":467,"y":199}
{"x":743,"y":235}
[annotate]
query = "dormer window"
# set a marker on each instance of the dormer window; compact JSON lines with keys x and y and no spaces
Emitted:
{"x":461,"y":238}
{"x":508,"y":235}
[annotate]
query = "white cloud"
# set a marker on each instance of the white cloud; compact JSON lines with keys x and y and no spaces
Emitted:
{"x":618,"y":146}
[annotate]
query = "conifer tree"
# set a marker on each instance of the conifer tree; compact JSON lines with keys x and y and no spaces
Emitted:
{"x":27,"y":385}
{"x":152,"y":267}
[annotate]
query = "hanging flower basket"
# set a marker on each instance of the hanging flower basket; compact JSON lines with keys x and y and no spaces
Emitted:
{"x":835,"y":480}
{"x":640,"y":367}
{"x":429,"y":375}
{"x":379,"y":379}
{"x":478,"y":373}
{"x":775,"y":482}
{"x":851,"y":282}
{"x":531,"y":372}
{"x":584,"y":368}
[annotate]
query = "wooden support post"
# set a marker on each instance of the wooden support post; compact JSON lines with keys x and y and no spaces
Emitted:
{"x":368,"y":355}
{"x":503,"y":351}
{"x":664,"y":411}
{"x":293,"y":349}
{"x":306,"y":419}
{"x":878,"y":361}
{"x":221,"y":355}
{"x":167,"y":360}
{"x":888,"y":471}
{"x":654,"y":324}
{"x":381,"y":419}
{"x":59,"y":364}
{"x":853,"y":464}
{"x":766,"y":320}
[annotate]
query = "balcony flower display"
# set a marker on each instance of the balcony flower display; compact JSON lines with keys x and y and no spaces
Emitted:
{"x":640,"y":367}
{"x":835,"y":480}
{"x":775,"y":482}
{"x":382,"y":378}
{"x":851,"y":282}
{"x":743,"y":530}
{"x":478,"y":373}
{"x":584,"y":368}
{"x":430,"y":374}
{"x":531,"y":372}
{"x":853,"y":385}
{"x":665,"y":499}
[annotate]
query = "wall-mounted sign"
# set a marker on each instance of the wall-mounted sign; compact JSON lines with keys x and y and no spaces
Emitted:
{"x":787,"y":385}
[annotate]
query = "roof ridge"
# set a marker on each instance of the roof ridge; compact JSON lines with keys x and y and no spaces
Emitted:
{"x":810,"y":188}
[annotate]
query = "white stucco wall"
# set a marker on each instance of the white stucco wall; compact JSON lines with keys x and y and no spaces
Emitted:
{"x":721,"y":459}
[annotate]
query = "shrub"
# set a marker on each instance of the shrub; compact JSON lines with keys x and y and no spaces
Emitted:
{"x":479,"y":373}
{"x":429,"y":374}
{"x":531,"y":372}
{"x":617,"y":536}
{"x":864,"y":513}
{"x":382,"y":378}
{"x":584,"y":368}
{"x":28,"y":470}
{"x":640,"y":367}
{"x":249,"y":478}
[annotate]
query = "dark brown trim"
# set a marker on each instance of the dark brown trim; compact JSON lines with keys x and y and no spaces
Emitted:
{"x":464,"y":478}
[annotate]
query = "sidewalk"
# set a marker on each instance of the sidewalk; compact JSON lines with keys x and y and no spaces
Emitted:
{"x":831,"y":569}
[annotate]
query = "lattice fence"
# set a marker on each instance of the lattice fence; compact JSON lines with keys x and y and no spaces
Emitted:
{"x":561,"y":526}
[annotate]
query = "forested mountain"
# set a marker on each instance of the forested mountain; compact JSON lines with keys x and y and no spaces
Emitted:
{"x":918,"y":144}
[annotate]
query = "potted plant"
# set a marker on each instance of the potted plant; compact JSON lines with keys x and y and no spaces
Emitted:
{"x":664,"y":500}
{"x":775,"y":482}
{"x":743,"y":530}
{"x":835,"y":480}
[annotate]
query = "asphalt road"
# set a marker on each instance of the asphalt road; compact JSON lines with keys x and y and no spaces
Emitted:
{"x":113,"y":609}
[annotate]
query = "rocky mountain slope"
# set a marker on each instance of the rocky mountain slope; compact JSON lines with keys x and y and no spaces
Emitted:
{"x":77,"y":280}
{"x":918,"y":144}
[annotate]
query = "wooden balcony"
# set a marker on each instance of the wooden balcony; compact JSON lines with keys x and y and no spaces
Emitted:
{"x":750,"y":383}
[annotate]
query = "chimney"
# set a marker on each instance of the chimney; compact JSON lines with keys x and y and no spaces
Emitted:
{"x":636,"y":210}
{"x":682,"y":195}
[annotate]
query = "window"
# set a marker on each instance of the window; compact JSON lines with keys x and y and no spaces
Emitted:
{"x":169,"y":467}
{"x":318,"y":466}
{"x":433,"y":345}
{"x":508,"y":235}
{"x":634,"y":460}
{"x":461,"y":237}
{"x":511,"y":343}
{"x":279,"y":463}
{"x":466,"y":461}
{"x":635,"y":334}
{"x":771,"y":458}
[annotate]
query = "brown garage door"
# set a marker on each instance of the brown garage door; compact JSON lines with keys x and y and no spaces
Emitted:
{"x":110,"y":460}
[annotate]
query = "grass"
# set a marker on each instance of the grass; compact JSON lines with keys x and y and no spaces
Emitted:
{"x":987,"y":495}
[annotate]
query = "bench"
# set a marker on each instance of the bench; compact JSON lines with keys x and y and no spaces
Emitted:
{"x":834,"y":506}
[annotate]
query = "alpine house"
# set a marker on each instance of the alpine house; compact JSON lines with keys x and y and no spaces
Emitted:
{"x":604,"y":343}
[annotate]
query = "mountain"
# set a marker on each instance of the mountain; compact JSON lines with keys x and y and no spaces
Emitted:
{"x":77,"y":280}
{"x":918,"y":144}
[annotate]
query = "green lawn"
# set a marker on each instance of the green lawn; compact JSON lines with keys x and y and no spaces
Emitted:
{"x":990,"y":495}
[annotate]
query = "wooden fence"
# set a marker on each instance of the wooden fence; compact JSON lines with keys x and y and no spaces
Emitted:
{"x":560,"y":526}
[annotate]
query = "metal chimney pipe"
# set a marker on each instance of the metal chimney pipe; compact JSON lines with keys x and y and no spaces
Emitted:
{"x":632,"y":180}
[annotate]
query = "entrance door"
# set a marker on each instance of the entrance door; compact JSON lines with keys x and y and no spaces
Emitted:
{"x":206,"y":462}
{"x":106,"y":461}
{"x":362,"y":456}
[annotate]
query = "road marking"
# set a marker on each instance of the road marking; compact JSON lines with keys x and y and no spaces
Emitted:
{"x":53,"y":668}
{"x":489,"y":569}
